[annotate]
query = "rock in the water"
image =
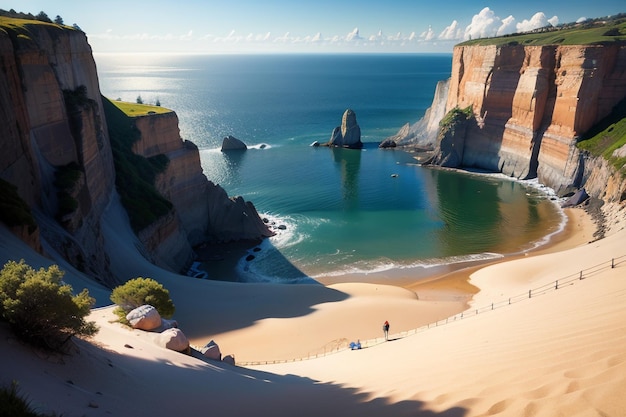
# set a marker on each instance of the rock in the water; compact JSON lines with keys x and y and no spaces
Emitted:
{"x":387,"y":143}
{"x":173,"y":339}
{"x":348,"y":135}
{"x":231,"y":143}
{"x":144,"y":317}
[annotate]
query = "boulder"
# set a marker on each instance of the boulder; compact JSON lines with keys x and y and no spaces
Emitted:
{"x":348,"y":135}
{"x":231,"y":143}
{"x":387,"y":143}
{"x":211,"y":351}
{"x":229,"y":359}
{"x":173,"y":339}
{"x":144,"y":317}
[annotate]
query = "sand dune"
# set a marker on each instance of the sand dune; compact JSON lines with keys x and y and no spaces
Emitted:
{"x":559,"y":353}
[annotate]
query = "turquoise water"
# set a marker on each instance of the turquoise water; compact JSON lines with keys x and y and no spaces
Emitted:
{"x":344,"y":210}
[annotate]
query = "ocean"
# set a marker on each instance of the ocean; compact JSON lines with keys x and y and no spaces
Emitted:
{"x":343,"y":211}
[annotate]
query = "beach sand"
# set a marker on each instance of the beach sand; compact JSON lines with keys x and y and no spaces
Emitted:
{"x":560,"y":352}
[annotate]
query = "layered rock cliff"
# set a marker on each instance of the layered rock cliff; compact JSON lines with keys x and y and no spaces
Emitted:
{"x":56,"y":150}
{"x":530,"y":105}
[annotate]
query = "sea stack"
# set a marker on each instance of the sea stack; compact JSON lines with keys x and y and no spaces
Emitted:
{"x":231,"y":143}
{"x":348,"y":135}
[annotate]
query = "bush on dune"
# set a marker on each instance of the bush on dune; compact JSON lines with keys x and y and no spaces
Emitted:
{"x":40,"y":308}
{"x":139,"y":291}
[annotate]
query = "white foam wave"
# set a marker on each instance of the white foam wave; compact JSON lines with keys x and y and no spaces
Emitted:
{"x":384,"y":265}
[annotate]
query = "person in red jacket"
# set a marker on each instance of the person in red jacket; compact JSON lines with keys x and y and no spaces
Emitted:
{"x":386,"y":329}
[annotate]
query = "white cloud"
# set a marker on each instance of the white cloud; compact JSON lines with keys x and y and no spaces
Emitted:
{"x":354,"y":35}
{"x":487,"y":24}
{"x":581,"y":19}
{"x":452,"y":32}
{"x":538,"y":20}
{"x":507,"y":26}
{"x":428,"y":34}
{"x":484,"y":24}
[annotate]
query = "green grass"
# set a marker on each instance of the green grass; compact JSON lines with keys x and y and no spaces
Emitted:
{"x":13,"y":404}
{"x":607,"y":136}
{"x":598,"y":31}
{"x":455,"y":116}
{"x":20,"y":28}
{"x":136,"y":109}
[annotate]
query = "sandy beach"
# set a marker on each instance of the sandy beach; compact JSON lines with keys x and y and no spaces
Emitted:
{"x":559,"y":352}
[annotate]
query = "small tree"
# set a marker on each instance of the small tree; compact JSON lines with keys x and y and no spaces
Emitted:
{"x":43,"y":17}
{"x":139,"y":99}
{"x":40,"y":308}
{"x":58,"y":20}
{"x":139,"y":291}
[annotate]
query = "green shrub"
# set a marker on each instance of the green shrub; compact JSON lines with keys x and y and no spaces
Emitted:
{"x":14,"y":405}
{"x":13,"y":210}
{"x":40,"y":308}
{"x":139,"y":291}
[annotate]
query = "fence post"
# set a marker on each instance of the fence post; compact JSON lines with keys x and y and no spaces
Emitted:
{"x":492,"y":306}
{"x":612,"y":263}
{"x":509,"y":300}
{"x":556,"y":286}
{"x":529,"y":293}
{"x":581,"y":275}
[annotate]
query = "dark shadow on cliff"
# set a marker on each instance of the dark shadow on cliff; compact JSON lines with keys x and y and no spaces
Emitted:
{"x":496,"y":110}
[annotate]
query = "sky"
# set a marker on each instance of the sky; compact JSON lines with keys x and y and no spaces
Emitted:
{"x":312,"y":26}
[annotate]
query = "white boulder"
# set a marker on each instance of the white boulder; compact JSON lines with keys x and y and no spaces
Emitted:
{"x":173,"y":339}
{"x":211,"y":351}
{"x":145,"y":317}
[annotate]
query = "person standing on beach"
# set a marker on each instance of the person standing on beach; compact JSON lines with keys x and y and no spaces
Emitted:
{"x":386,"y":329}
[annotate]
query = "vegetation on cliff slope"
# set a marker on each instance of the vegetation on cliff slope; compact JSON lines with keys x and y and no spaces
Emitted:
{"x":13,"y":210}
{"x":134,"y":174}
{"x":600,"y":31}
{"x":608,"y":136}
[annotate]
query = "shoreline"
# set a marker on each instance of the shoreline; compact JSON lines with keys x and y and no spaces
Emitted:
{"x":360,"y":302}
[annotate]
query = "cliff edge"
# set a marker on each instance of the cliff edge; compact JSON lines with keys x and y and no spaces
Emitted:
{"x":57,"y":153}
{"x":529,"y":101}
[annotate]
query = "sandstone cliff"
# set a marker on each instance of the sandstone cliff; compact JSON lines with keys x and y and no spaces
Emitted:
{"x":56,"y":150}
{"x":40,"y":134}
{"x":531,"y":104}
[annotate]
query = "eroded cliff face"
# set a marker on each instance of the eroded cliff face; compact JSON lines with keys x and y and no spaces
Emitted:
{"x":530,"y":105}
{"x":39,"y":136}
{"x":55,"y":148}
{"x":204,"y":211}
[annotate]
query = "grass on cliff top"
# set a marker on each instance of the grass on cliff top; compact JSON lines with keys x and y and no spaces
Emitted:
{"x":608,"y":136}
{"x":596,"y":32}
{"x":20,"y":27}
{"x":136,"y":109}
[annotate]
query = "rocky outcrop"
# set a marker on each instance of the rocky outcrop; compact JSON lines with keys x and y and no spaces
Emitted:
{"x":531,"y":104}
{"x":231,"y":143}
{"x":56,"y":151}
{"x":348,"y":135}
{"x":203,"y":211}
{"x":423,"y":133}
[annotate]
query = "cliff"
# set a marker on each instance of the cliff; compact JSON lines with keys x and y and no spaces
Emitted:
{"x":56,"y":150}
{"x":530,"y":105}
